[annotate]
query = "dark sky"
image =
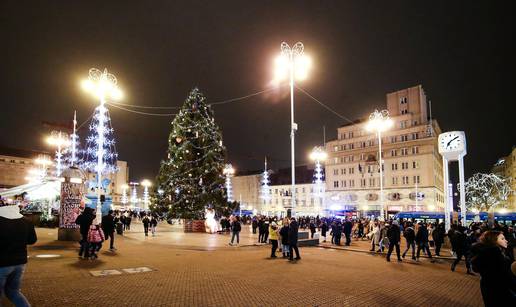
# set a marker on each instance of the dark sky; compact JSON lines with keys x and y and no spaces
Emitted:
{"x":459,"y":51}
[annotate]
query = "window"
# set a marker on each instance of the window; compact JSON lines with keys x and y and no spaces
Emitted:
{"x":343,"y":183}
{"x":335,"y":184}
{"x":336,"y":148}
{"x":404,"y":165}
{"x":415,"y":164}
{"x":352,"y":183}
{"x":352,"y":146}
{"x":335,"y":172}
{"x":342,"y":160}
{"x":370,"y":143}
{"x":343,"y":171}
{"x":404,"y":151}
{"x":351,"y":134}
{"x":393,"y":139}
{"x":403,"y":124}
{"x":363,"y":144}
{"x":403,"y":100}
{"x":404,"y":111}
{"x":415,"y":136}
{"x":394,"y":180}
{"x":394,"y":166}
{"x":416,"y":179}
{"x":351,"y":158}
{"x":405,"y":180}
{"x":362,"y":182}
{"x":362,"y":157}
{"x":345,"y":159}
{"x":303,"y":190}
{"x":351,"y":170}
{"x":394,"y":153}
{"x":336,"y":160}
{"x":404,"y":138}
{"x":415,"y":150}
{"x":371,"y":182}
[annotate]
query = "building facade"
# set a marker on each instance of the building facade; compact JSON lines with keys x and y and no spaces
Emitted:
{"x":506,"y":167}
{"x":15,"y":165}
{"x":412,"y":166}
{"x":246,"y":190}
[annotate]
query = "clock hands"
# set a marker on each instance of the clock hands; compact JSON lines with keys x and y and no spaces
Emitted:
{"x":448,"y":144}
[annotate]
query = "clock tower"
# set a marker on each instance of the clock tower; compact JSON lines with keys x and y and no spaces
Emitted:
{"x":452,"y":147}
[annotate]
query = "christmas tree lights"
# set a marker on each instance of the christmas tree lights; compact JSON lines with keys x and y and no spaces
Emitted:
{"x":265,"y":193}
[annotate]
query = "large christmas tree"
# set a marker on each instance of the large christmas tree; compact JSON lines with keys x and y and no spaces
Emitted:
{"x":190,"y":180}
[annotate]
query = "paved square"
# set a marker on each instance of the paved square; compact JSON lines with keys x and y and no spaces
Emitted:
{"x":202,"y":270}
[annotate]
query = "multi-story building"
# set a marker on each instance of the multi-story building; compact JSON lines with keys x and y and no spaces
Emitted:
{"x":412,"y":166}
{"x":116,"y":182}
{"x":506,"y":167}
{"x":246,"y":190}
{"x":15,"y":165}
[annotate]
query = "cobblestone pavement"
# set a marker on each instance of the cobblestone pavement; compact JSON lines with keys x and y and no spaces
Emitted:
{"x":189,"y":272}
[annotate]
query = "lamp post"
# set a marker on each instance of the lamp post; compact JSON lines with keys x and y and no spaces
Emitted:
{"x":60,"y":140}
{"x":228,"y":172}
{"x":379,"y":121}
{"x":103,"y":86}
{"x":146,"y":184}
{"x":293,"y":63}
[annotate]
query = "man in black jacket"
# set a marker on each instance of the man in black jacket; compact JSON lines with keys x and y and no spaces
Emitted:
{"x":438,"y":235}
{"x":393,"y":233}
{"x":348,"y":226}
{"x":15,"y":233}
{"x":108,"y":225}
{"x":84,"y":221}
{"x":292,"y":239}
{"x":422,"y":241}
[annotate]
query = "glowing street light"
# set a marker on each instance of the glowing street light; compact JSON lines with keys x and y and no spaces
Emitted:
{"x":379,"y":121}
{"x":229,"y":171}
{"x":292,"y":63}
{"x":124,"y":194}
{"x":103,"y":86}
{"x":146,"y":184}
{"x":60,"y":140}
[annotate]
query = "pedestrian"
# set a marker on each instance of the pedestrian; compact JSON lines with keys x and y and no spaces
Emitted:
{"x":438,"y":235}
{"x":265,"y":226}
{"x":261,"y":231}
{"x":462,"y":246}
{"x":293,"y":229}
{"x":128,"y":221}
{"x":338,"y":232}
{"x":284,"y":238}
{"x":348,"y":225}
{"x":235,"y":229}
{"x":410,"y":237}
{"x":153,"y":225}
{"x":324,"y":229}
{"x":360,"y":229}
{"x":490,"y":260}
{"x":422,"y":241}
{"x":430,"y":235}
{"x":123,"y":220}
{"x":384,"y":241}
{"x":84,"y":220}
{"x":393,"y":233}
{"x":15,"y":234}
{"x":374,"y":235}
{"x":312,"y":229}
{"x":108,"y":226}
{"x":95,"y":239}
{"x":254,"y":224}
{"x":273,"y":233}
{"x":146,"y":222}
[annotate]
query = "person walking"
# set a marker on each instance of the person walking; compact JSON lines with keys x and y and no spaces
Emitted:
{"x":338,"y":232}
{"x":410,"y":238}
{"x":324,"y":229}
{"x":153,"y":225}
{"x":374,"y":235}
{"x":84,"y":220}
{"x":393,"y":233}
{"x":438,"y":235}
{"x":146,"y":222}
{"x":422,"y":241}
{"x":260,"y":230}
{"x":312,"y":229}
{"x":383,"y":237}
{"x":108,"y":226}
{"x":273,"y":233}
{"x":235,"y":230}
{"x":254,"y":224}
{"x":15,"y":234}
{"x":128,"y":221}
{"x":348,"y":225}
{"x":462,"y":247}
{"x":284,"y":238}
{"x":293,"y":229}
{"x":95,"y":239}
{"x":266,"y":223}
{"x":490,"y":260}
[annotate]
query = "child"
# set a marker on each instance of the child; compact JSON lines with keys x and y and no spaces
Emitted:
{"x":95,"y":239}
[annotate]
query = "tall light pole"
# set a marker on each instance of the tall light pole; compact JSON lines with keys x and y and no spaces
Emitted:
{"x":103,"y":86}
{"x":60,"y":140}
{"x":379,"y":121}
{"x":228,"y":172}
{"x":293,"y":63}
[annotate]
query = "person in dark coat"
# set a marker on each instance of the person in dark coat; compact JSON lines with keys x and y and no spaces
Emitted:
{"x":84,"y":220}
{"x":265,"y":230}
{"x":284,"y":238}
{"x":489,"y":259}
{"x":410,"y":237}
{"x":462,"y":247}
{"x":393,"y":233}
{"x":108,"y":226}
{"x":324,"y":229}
{"x":146,"y":222}
{"x":422,"y":241}
{"x":260,"y":230}
{"x":293,"y":229}
{"x":438,"y":235}
{"x":312,"y":229}
{"x":348,"y":226}
{"x":254,"y":224}
{"x":338,"y":232}
{"x":15,"y":234}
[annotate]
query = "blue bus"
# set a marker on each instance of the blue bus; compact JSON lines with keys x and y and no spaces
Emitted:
{"x":507,"y":217}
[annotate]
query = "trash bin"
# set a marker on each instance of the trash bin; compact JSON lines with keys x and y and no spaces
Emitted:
{"x":119,"y":228}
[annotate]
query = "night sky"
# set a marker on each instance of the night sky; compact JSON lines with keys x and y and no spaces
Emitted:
{"x":459,"y":51}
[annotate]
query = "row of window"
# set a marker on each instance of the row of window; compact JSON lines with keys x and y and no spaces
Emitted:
{"x":372,"y":182}
{"x":374,"y":142}
{"x":12,"y":161}
{"x":301,"y":202}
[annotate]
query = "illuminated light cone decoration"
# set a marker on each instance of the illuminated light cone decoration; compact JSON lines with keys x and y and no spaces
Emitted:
{"x":265,"y":193}
{"x":228,"y":172}
{"x":134,"y":195}
{"x":318,"y":155}
{"x":60,"y":140}
{"x":72,"y":154}
{"x":124,"y":194}
{"x":100,"y":155}
{"x":146,"y":199}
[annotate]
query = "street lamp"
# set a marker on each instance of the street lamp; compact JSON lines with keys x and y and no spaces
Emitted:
{"x":294,"y":64}
{"x":60,"y":140}
{"x":228,"y":172}
{"x":103,"y":86}
{"x":146,"y":184}
{"x":379,"y":121}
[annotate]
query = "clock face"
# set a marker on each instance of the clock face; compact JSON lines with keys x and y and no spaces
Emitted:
{"x":451,"y":142}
